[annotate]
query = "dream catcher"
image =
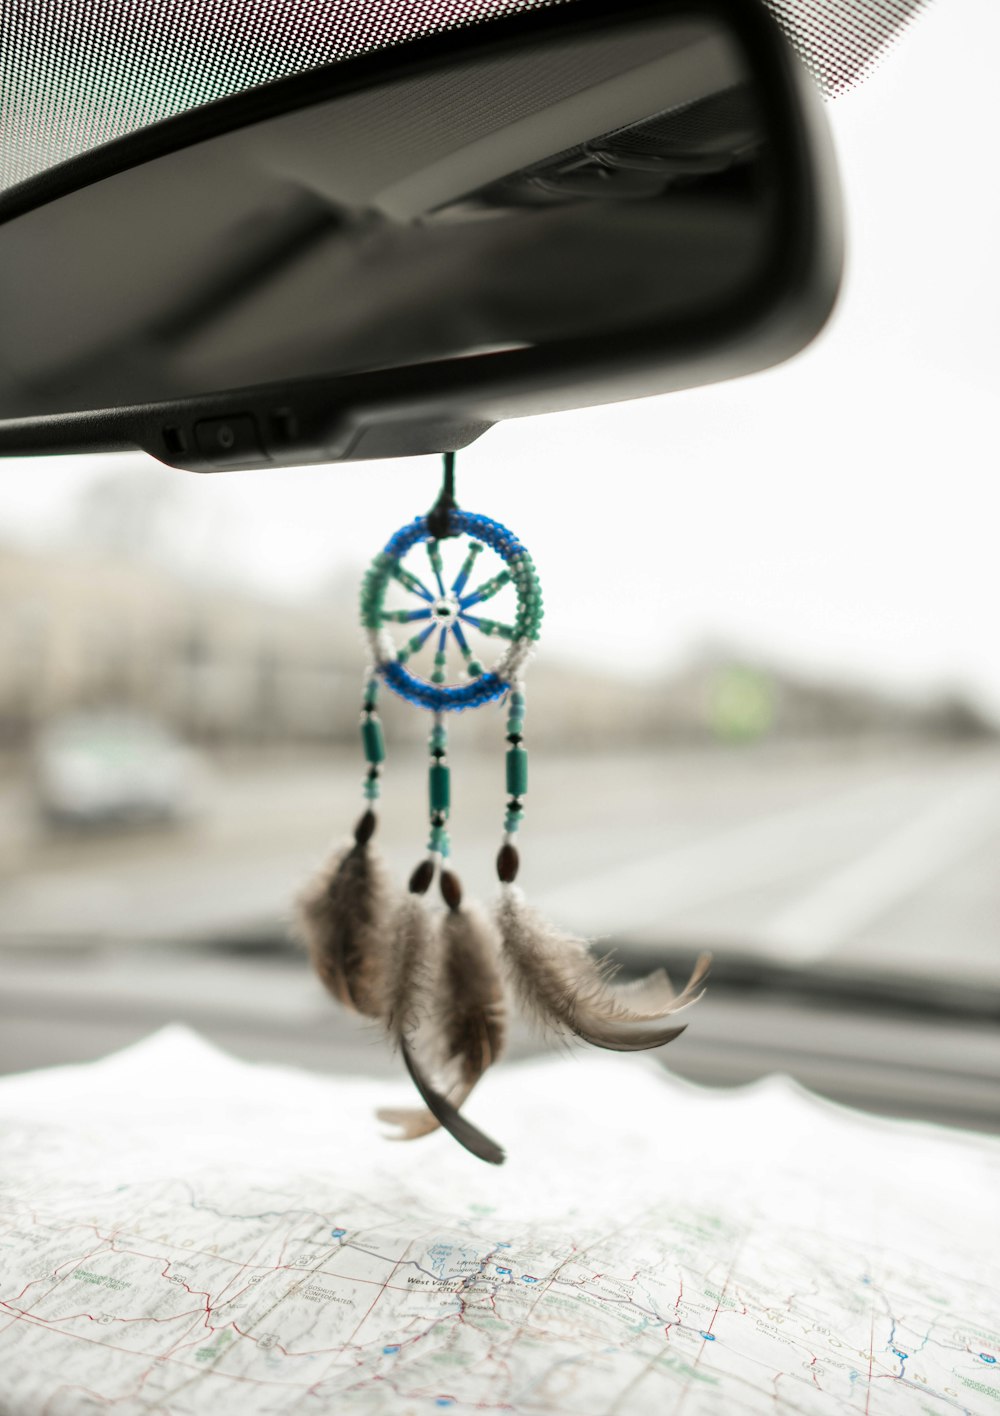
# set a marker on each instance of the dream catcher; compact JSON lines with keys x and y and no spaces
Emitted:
{"x":438,"y":979}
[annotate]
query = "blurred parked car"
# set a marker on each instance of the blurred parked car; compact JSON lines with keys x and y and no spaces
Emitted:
{"x":110,"y":768}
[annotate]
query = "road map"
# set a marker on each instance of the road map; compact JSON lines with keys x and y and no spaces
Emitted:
{"x":182,"y":1232}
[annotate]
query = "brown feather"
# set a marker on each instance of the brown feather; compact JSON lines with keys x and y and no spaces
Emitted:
{"x":342,"y":916}
{"x":560,"y":984}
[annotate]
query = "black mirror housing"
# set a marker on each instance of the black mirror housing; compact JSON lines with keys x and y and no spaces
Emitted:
{"x":384,"y":257}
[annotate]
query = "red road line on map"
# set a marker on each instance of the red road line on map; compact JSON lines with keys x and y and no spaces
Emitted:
{"x":871,"y":1360}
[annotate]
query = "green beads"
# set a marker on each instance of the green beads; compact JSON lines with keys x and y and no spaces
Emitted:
{"x":404,"y":577}
{"x":493,"y":628}
{"x":373,"y":741}
{"x":475,"y":668}
{"x":493,"y":586}
{"x":517,"y":771}
{"x":439,"y":790}
{"x":371,"y":694}
{"x":440,"y":787}
{"x":373,"y":588}
{"x":529,"y":598}
{"x":517,"y":760}
{"x":440,"y":659}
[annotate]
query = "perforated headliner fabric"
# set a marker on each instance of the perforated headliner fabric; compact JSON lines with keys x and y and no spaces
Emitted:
{"x":78,"y":73}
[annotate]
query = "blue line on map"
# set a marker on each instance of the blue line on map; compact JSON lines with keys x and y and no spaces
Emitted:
{"x":709,"y":1336}
{"x":528,"y":1278}
{"x":503,"y":1271}
{"x":987,"y":1357}
{"x":445,"y":1401}
{"x":338,"y":1233}
{"x":393,"y":1347}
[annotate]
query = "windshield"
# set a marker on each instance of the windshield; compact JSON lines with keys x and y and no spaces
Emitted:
{"x":766,"y":705}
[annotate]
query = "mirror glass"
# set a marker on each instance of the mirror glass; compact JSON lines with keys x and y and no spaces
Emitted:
{"x":590,"y":184}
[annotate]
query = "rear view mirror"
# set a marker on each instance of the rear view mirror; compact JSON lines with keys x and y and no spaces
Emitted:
{"x":382,"y":257}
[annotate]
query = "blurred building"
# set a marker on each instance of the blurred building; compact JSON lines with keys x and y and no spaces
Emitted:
{"x":98,"y":628}
{"x":83,"y":630}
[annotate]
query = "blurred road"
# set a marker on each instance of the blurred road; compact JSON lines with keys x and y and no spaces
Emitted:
{"x":882,"y":856}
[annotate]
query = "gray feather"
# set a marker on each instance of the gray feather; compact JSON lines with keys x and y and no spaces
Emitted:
{"x":343,"y":915}
{"x":467,"y":1135}
{"x":413,"y":962}
{"x":469,"y":1033}
{"x":560,"y":984}
{"x":654,"y":996}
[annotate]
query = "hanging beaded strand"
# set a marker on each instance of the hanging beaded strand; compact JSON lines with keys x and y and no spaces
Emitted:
{"x":508,"y":860}
{"x":372,"y":739}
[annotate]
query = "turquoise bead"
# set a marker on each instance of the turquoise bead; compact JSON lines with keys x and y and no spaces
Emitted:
{"x":440,"y":787}
{"x":373,"y":740}
{"x":517,"y":771}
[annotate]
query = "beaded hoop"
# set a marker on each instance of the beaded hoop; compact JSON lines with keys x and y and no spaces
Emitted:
{"x":447,"y":611}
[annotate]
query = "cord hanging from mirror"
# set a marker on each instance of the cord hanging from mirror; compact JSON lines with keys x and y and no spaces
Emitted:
{"x":437,"y":980}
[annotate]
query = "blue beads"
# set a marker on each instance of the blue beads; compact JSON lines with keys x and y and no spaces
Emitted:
{"x":493,"y":533}
{"x":452,"y":700}
{"x":485,"y":686}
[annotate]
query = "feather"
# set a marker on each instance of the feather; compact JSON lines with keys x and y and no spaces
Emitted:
{"x":473,"y":1010}
{"x":412,"y":964}
{"x":342,"y":917}
{"x":654,"y":996}
{"x":470,"y":1031}
{"x":560,"y":984}
{"x":451,"y":1118}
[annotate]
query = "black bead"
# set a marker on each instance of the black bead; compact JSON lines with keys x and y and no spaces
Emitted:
{"x":373,"y":774}
{"x":515,"y":738}
{"x":437,"y":752}
{"x":514,"y":805}
{"x":369,"y":709}
{"x":438,"y":819}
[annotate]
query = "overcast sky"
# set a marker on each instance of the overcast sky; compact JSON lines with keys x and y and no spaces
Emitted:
{"x":841,"y":513}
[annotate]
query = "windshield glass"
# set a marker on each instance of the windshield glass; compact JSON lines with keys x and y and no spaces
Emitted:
{"x":766,"y":704}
